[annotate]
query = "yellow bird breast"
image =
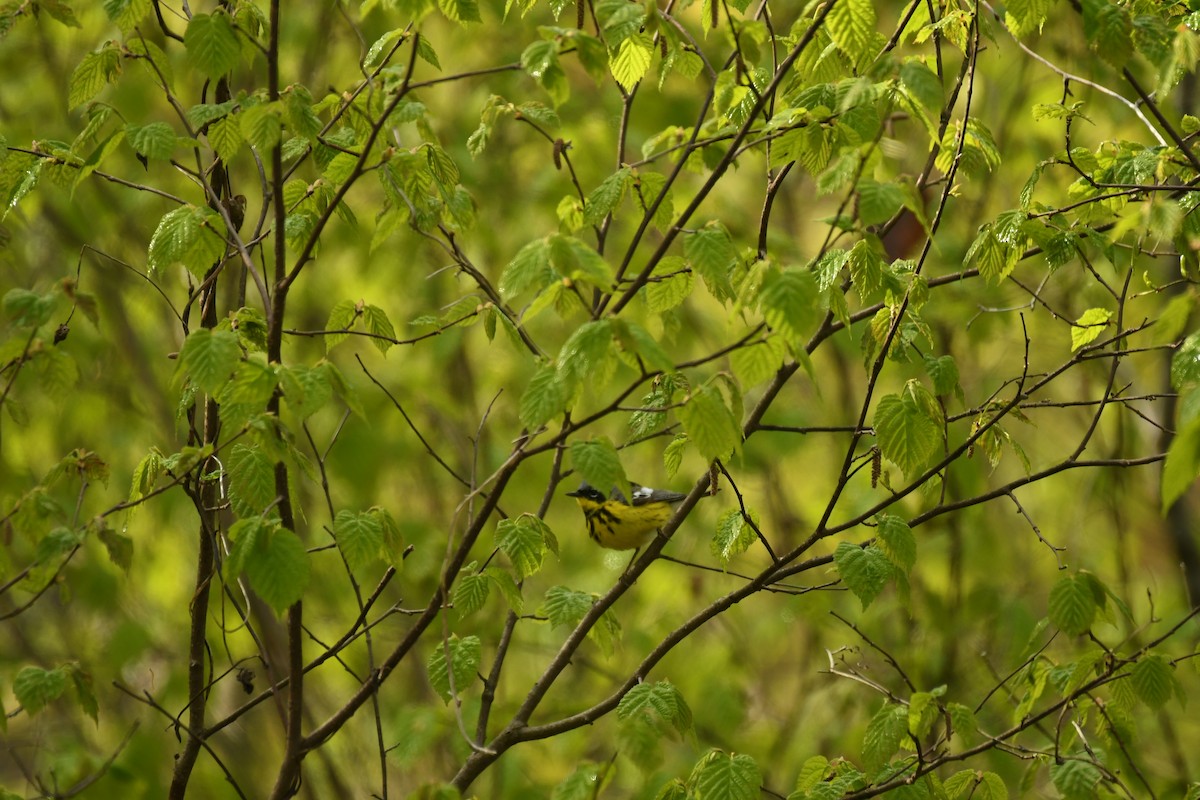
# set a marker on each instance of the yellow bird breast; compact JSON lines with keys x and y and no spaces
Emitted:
{"x":622,"y":527}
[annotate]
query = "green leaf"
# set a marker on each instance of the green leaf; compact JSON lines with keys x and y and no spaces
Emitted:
{"x":866,"y":268}
{"x":640,"y":348}
{"x":28,"y":309}
{"x":544,"y":398}
{"x":454,"y":660}
{"x":605,"y":198}
{"x":383,"y":45}
{"x":460,"y":11}
{"x":597,"y":462}
{"x":575,"y":259}
{"x":674,"y":789}
{"x":734,"y":536}
{"x":668,"y":701}
{"x":209,"y":357}
{"x":631,"y":59}
{"x":155,"y":60}
{"x":1088,"y":327}
{"x":813,"y":771}
{"x":1185,"y":364}
{"x":906,"y":432}
{"x":206,"y":113}
{"x":34,"y":687}
{"x":155,"y":141}
{"x":540,"y":60}
{"x":673,"y":455}
{"x":97,"y":116}
{"x":710,"y":425}
{"x":661,"y":701}
{"x":758,"y":361}
{"x":392,"y":549}
{"x":788,"y":301}
{"x":922,"y":713}
{"x":943,"y":371}
{"x":341,"y":318}
{"x":118,"y":546}
{"x":897,"y":542}
{"x":1075,"y":778}
{"x":884,"y":733}
{"x":427,"y":54}
{"x":211,"y":43}
{"x":1182,"y":465}
{"x":377,"y":323}
{"x":127,"y":13}
{"x":278,"y":569}
{"x":508,"y":587}
{"x":441,"y":166}
{"x":586,"y":355}
{"x":565,"y":607}
{"x":188,"y":235}
{"x":251,"y":480}
{"x":529,"y":269}
{"x":98,"y":156}
{"x":711,"y":253}
{"x":523,"y":540}
{"x":94,"y":72}
{"x":670,"y":284}
{"x":85,"y":692}
{"x":245,"y":536}
{"x":635,"y":701}
{"x":878,"y":202}
{"x":252,"y":384}
{"x":471,"y":591}
{"x":261,"y":125}
{"x":1154,"y":680}
{"x":1108,"y":30}
{"x":58,"y":543}
{"x":359,"y":536}
{"x":1025,"y":17}
{"x":1072,"y":605}
{"x":865,"y":571}
{"x":298,"y":112}
{"x":606,"y":633}
{"x":851,"y":25}
{"x":922,"y":82}
{"x":975,"y":785}
{"x":343,"y":389}
{"x":649,"y":186}
{"x":962,"y":720}
{"x":306,"y":389}
{"x":995,"y":258}
{"x":225,"y":136}
{"x":726,"y":776}
{"x":146,"y":474}
{"x":582,"y":783}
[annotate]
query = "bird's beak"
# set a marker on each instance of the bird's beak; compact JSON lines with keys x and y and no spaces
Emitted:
{"x":575,"y":493}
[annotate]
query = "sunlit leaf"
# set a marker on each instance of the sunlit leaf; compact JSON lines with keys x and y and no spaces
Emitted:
{"x":212,"y":44}
{"x":1088,"y":326}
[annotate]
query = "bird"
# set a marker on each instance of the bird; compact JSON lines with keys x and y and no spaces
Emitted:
{"x":614,"y":523}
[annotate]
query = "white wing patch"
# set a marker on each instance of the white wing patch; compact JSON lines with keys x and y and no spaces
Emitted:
{"x":642,"y":493}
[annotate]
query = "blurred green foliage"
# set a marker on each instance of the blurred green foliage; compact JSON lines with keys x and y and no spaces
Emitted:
{"x":307,"y":330}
